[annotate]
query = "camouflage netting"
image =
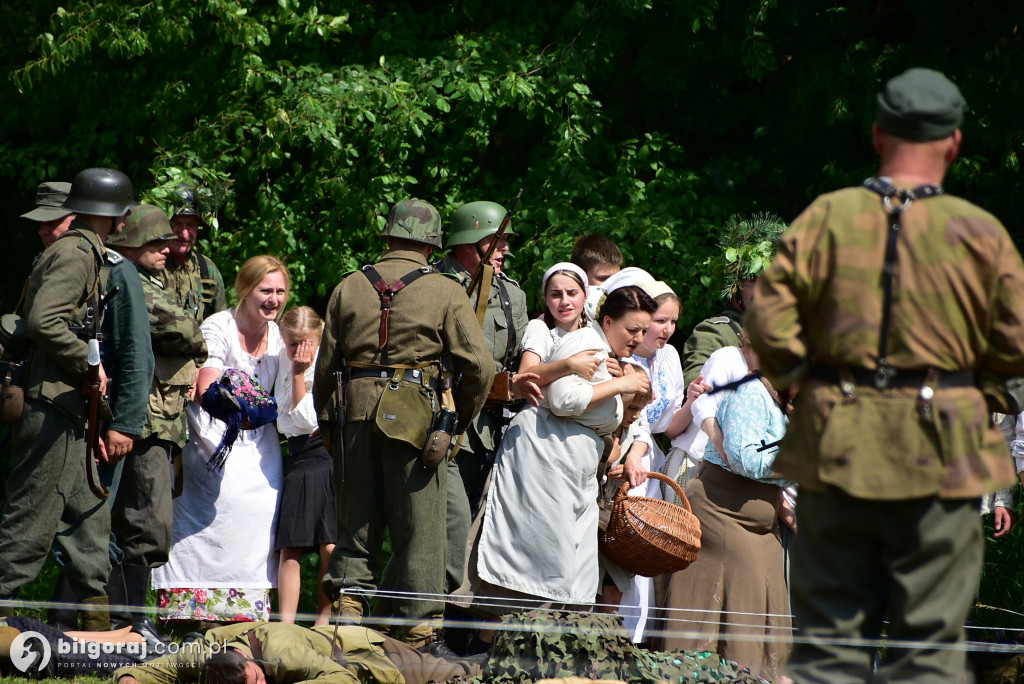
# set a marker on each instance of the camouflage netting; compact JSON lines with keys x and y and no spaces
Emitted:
{"x":544,"y":644}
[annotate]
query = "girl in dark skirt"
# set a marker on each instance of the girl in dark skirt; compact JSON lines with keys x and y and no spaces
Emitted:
{"x":308,"y":517}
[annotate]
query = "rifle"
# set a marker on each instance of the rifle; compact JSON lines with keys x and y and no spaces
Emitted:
{"x":92,"y":438}
{"x":486,"y":258}
{"x":92,"y":386}
{"x":339,"y":427}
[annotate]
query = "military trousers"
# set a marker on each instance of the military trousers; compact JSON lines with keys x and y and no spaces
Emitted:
{"x":915,"y":563}
{"x":381,"y":484}
{"x":144,"y":509}
{"x":47,"y":492}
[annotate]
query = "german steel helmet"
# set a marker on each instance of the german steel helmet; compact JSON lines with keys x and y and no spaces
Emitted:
{"x":100,"y":192}
{"x":145,"y":224}
{"x":185,"y":203}
{"x":415,"y":220}
{"x":474,"y":221}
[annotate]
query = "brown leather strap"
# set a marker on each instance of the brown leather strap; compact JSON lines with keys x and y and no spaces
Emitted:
{"x":485,"y":294}
{"x":254,"y":645}
{"x":387,"y":294}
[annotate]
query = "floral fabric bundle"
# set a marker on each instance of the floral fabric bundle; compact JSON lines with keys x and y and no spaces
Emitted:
{"x":241,"y":402}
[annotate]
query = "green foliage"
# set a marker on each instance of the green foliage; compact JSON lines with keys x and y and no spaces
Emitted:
{"x":746,"y":247}
{"x":1002,"y":585}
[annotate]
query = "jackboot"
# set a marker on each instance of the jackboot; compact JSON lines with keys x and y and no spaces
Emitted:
{"x":95,"y":618}
{"x":117,"y":595}
{"x":136,"y":584}
{"x":62,"y":614}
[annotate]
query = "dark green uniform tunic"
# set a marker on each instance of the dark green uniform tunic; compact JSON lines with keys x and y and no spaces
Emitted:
{"x":380,"y":482}
{"x":709,"y":336}
{"x":47,"y":490}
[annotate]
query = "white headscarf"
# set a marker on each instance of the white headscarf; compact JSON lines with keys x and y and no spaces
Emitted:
{"x":563,"y":266}
{"x":627,"y":276}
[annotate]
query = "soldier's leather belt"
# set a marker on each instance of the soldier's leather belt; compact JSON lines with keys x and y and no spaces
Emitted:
{"x":409,"y":374}
{"x":899,"y":377}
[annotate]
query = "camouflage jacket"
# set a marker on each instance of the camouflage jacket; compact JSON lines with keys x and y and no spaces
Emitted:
{"x":707,"y":337}
{"x":497,"y":334}
{"x":200,"y":297}
{"x":958,"y":305}
{"x":179,"y":350}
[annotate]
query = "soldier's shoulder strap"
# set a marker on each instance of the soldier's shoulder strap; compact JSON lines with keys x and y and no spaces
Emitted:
{"x":102,"y":268}
{"x":729,"y":321}
{"x":386,"y":293}
{"x":85,"y":244}
{"x":502,"y":276}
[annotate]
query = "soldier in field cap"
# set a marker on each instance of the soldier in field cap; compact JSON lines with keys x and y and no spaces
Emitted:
{"x":52,"y":217}
{"x":900,"y":309}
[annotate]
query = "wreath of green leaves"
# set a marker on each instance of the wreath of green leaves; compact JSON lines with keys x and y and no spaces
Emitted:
{"x":747,"y":248}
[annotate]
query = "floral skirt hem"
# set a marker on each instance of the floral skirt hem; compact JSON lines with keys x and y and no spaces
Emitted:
{"x":213,"y":604}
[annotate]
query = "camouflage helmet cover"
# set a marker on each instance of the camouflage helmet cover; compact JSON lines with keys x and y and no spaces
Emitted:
{"x":145,"y":224}
{"x":100,"y":192}
{"x":415,"y":220}
{"x":474,"y":221}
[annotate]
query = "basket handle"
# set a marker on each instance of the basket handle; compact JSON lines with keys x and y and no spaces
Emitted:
{"x":624,"y":488}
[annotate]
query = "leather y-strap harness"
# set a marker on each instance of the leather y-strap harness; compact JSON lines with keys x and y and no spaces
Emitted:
{"x":387,"y":295}
{"x":889,"y":192}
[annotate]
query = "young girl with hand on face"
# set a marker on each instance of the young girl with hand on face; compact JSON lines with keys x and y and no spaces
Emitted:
{"x":308,"y":517}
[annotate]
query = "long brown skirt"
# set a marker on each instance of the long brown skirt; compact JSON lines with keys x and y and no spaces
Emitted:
{"x":733,"y":599}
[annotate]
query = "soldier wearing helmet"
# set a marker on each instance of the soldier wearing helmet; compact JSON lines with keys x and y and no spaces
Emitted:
{"x":387,"y":329}
{"x":751,"y":244}
{"x":142,"y":509}
{"x":192,"y":276}
{"x":48,"y":498}
{"x":503,"y":320}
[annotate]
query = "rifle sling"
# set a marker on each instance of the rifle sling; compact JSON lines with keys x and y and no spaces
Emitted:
{"x":484,"y":295}
{"x":510,"y":326}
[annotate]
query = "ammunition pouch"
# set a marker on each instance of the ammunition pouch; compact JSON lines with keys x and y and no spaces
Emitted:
{"x":501,"y":389}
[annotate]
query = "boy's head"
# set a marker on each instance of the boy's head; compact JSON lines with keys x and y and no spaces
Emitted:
{"x":633,"y":404}
{"x":598,"y":256}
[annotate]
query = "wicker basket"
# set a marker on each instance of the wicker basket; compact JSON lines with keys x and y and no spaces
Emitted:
{"x":648,"y":536}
